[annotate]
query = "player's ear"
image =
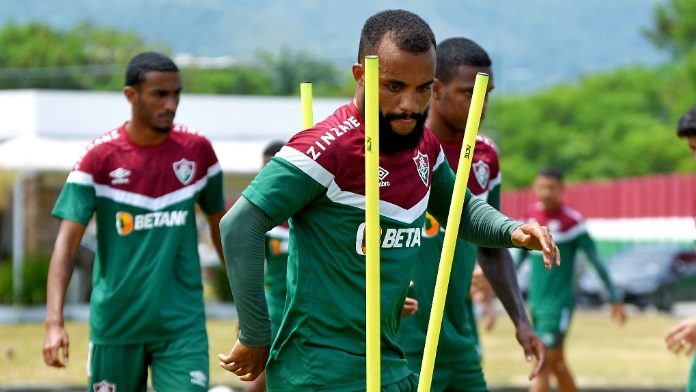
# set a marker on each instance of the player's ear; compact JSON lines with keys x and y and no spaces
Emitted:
{"x":437,"y":88}
{"x":359,"y":74}
{"x":130,"y":93}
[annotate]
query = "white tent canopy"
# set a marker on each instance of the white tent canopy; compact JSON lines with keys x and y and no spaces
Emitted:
{"x":48,"y":130}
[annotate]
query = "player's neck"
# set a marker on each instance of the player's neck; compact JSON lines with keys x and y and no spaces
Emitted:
{"x":442,"y":130}
{"x":144,"y":136}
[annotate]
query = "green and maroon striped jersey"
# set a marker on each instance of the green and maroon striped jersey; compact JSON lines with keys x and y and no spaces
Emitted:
{"x":457,"y":337}
{"x":317,"y":180}
{"x":147,"y":275}
{"x":551,"y":291}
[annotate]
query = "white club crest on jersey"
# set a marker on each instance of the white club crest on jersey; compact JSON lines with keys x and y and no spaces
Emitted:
{"x":184,"y":170}
{"x":423,"y":166}
{"x":104,"y":386}
{"x":120,"y":176}
{"x":483,"y":173}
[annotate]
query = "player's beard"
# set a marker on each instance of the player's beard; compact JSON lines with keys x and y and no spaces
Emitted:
{"x":162,"y":130}
{"x":391,"y":142}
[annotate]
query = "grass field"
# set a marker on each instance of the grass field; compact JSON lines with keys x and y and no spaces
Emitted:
{"x":600,"y":354}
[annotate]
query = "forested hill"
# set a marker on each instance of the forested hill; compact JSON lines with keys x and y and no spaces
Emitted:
{"x":534,"y":43}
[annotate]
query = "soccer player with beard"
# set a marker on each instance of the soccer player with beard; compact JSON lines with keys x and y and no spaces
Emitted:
{"x":143,"y":180}
{"x":317,"y":180}
{"x":458,"y":359}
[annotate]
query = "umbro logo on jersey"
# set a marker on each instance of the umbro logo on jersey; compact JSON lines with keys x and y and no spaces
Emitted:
{"x":383,"y":173}
{"x":482,"y":172}
{"x":104,"y":386}
{"x":184,"y":170}
{"x":423,"y":166}
{"x":120,"y":176}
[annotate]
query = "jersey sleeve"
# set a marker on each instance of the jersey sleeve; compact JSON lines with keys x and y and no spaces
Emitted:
{"x":212,"y":199}
{"x":281,"y":189}
{"x":77,"y":199}
{"x":588,"y":246}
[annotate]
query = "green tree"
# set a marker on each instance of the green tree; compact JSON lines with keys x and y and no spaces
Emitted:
{"x":37,"y":56}
{"x":674,"y":28}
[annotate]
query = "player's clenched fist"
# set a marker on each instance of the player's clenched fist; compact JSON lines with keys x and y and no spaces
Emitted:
{"x":246,"y":362}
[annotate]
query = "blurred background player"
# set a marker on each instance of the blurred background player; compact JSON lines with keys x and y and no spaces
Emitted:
{"x":458,"y":359}
{"x":551,"y":294}
{"x":143,"y":181}
{"x":682,"y":337}
{"x":276,"y":268}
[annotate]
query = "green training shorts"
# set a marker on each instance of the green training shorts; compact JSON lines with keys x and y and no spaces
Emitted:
{"x":552,"y":326}
{"x":179,"y":364}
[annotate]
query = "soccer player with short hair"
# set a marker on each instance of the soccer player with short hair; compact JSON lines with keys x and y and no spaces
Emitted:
{"x":458,"y":359}
{"x":682,"y":337}
{"x":318,"y":181}
{"x":551,"y":294}
{"x":143,"y":181}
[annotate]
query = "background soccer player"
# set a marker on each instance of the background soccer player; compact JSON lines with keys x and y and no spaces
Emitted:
{"x":143,"y":180}
{"x":551,"y":293}
{"x":682,"y":337}
{"x":458,"y":359}
{"x":318,"y":181}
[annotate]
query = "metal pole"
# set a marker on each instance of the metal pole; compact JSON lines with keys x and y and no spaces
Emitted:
{"x":17,"y":239}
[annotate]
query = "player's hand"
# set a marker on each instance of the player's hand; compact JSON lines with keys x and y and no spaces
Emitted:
{"x":410,"y":306}
{"x":56,"y":341}
{"x":682,"y":337}
{"x":533,"y":346}
{"x":618,"y":313}
{"x":246,"y":362}
{"x":535,"y":237}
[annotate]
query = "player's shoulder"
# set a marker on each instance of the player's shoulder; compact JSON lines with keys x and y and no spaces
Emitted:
{"x":485,"y":142}
{"x":572,"y":213}
{"x":189,"y":134}
{"x":101,"y":147}
{"x":329,"y":137}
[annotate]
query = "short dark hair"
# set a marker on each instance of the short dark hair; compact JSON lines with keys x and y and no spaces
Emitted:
{"x":687,"y":124}
{"x":453,"y":52}
{"x":273,"y":148}
{"x":145,"y":62}
{"x":408,"y":30}
{"x":551,"y":171}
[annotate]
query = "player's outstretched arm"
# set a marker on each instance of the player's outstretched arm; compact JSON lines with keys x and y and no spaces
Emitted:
{"x":59,"y":272}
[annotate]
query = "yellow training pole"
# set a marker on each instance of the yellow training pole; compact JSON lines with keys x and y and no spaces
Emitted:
{"x":455,"y":212}
{"x":372,"y":231}
{"x":306,"y":101}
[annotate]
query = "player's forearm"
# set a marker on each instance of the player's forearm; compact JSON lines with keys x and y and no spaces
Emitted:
{"x":483,"y":225}
{"x":242,"y":231}
{"x":499,"y":270}
{"x":59,"y":273}
{"x":214,"y":223}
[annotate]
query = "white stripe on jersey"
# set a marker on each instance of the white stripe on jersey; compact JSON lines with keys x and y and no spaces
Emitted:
{"x":142,"y":201}
{"x":335,"y":194}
